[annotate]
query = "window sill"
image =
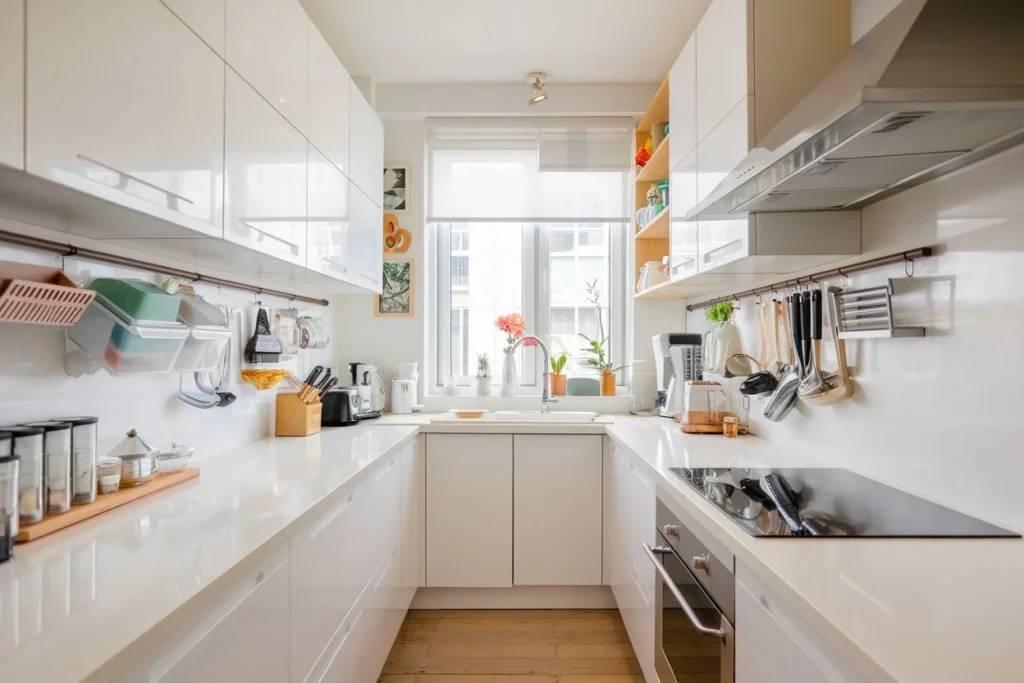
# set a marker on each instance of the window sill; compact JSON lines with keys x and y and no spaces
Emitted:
{"x":618,"y":404}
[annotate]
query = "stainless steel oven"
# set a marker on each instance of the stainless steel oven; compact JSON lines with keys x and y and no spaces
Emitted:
{"x":695,"y":598}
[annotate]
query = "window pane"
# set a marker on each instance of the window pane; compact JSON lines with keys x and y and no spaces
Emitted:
{"x":591,"y":238}
{"x":487,"y":281}
{"x":563,"y":277}
{"x":561,"y":240}
{"x":563,"y":321}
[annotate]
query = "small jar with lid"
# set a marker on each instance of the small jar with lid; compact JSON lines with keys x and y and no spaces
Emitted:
{"x":28,"y":446}
{"x":8,"y":495}
{"x":138,"y":460}
{"x":108,"y":475}
{"x":57,"y":447}
{"x":731,"y":426}
{"x":83,"y":458}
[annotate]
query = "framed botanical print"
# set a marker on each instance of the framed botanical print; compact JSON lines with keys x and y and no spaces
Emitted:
{"x":397,"y":283}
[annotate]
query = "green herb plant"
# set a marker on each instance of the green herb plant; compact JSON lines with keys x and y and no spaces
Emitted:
{"x":558,"y":364}
{"x":720,"y":312}
{"x":596,"y":349}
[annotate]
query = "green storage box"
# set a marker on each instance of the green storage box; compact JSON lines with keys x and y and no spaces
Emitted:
{"x":137,"y":300}
{"x":582,"y":386}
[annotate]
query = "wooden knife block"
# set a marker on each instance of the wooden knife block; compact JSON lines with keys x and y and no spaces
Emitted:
{"x":295,"y":417}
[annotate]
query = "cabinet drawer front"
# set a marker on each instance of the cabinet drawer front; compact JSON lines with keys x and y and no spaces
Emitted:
{"x":268,"y":44}
{"x":127,"y":104}
{"x":241,"y":636}
{"x":328,"y":218}
{"x":330,"y":570}
{"x":265,"y":176}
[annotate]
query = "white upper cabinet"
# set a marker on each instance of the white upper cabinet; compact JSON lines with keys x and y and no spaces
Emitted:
{"x":683,"y":233}
{"x":367,"y":143}
{"x":12,"y":84}
{"x":723,"y":66}
{"x":557,"y":510}
{"x":328,"y":102}
{"x":205,"y":17}
{"x":125,"y":103}
{"x":469,"y":510}
{"x":365,"y":240}
{"x":268,"y":45}
{"x":682,"y":103}
{"x":329,"y":219}
{"x":265,"y":180}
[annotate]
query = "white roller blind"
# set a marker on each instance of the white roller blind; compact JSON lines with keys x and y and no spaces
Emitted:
{"x":530,"y":169}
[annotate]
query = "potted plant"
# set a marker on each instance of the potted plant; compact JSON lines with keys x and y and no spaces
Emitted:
{"x":483,"y":375}
{"x":596,"y":348}
{"x":557,"y":378}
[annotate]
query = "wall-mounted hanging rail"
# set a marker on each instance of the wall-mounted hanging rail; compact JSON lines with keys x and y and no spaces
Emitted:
{"x":901,"y":257}
{"x":93,"y":255}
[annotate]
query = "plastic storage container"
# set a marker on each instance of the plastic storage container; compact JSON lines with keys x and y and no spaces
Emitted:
{"x":137,"y":299}
{"x":173,"y":458}
{"x":127,"y":346}
{"x":28,"y":446}
{"x":208,"y":337}
{"x":83,"y":458}
{"x":57,"y":446}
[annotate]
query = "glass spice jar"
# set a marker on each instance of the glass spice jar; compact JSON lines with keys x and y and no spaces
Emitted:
{"x":731,"y":427}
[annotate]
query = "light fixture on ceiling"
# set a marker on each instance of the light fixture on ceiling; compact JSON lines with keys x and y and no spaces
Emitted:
{"x":536,"y":79}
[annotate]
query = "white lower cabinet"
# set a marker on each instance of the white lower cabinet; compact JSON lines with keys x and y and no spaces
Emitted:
{"x":469,"y":510}
{"x":629,"y":523}
{"x":241,"y":636}
{"x":557,"y":510}
{"x":773,"y":645}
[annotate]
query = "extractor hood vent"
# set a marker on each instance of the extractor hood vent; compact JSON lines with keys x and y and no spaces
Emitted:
{"x":935,"y":86}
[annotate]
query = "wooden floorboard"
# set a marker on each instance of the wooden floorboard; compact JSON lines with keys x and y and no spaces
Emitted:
{"x":512,"y":646}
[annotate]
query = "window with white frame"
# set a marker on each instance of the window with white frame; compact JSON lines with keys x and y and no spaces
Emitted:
{"x":527,"y":216}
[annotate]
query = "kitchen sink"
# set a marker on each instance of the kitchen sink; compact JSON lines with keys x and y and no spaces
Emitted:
{"x":537,"y":416}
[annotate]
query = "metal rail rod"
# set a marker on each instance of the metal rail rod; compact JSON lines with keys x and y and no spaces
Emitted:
{"x":901,"y":257}
{"x":93,"y":255}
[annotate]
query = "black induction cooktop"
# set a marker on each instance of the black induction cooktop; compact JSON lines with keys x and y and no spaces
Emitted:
{"x":810,"y":502}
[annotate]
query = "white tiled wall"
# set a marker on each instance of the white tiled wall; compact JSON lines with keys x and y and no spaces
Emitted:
{"x":34,"y":386}
{"x":941,"y":415}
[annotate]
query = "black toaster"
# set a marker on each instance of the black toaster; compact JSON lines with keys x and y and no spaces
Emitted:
{"x":340,"y":407}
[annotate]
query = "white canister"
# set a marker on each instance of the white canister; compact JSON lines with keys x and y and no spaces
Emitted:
{"x":403,"y":396}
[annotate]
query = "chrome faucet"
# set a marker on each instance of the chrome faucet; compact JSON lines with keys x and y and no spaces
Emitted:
{"x":545,"y":394}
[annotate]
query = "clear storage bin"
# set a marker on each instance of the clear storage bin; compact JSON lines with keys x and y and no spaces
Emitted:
{"x":126,"y":346}
{"x":209,"y":334}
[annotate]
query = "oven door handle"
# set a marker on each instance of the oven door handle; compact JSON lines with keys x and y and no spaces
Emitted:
{"x":671,"y":585}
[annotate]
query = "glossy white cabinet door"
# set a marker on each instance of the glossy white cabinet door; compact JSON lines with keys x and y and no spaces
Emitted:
{"x":268,"y":44}
{"x":469,"y":510}
{"x":724,"y":61}
{"x":557,"y":510}
{"x":12,"y":83}
{"x":367,"y":147}
{"x":784,"y":648}
{"x":682,"y":233}
{"x":330,"y":569}
{"x":205,"y":17}
{"x":328,"y":101}
{"x":265,"y":184}
{"x":682,"y":104}
{"x":243,"y":636}
{"x":365,"y":241}
{"x":329,"y":218}
{"x":127,"y":104}
{"x":412,"y":498}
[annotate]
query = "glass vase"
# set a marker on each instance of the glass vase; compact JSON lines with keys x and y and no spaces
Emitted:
{"x":509,"y":377}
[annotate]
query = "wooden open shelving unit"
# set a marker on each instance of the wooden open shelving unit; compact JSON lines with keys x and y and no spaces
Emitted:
{"x":652,"y":242}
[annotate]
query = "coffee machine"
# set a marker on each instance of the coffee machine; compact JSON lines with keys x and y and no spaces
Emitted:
{"x":677,"y":360}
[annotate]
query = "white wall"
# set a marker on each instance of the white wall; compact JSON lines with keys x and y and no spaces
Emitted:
{"x":940,"y":415}
{"x":864,"y":14}
{"x":361,"y":335}
{"x":34,"y":386}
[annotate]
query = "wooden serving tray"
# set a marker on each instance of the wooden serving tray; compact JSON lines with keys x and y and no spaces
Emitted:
{"x":80,"y":513}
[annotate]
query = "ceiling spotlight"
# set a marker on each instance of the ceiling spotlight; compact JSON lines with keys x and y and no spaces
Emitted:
{"x":536,"y":79}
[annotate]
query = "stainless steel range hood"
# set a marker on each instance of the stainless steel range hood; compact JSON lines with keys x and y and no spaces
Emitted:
{"x":935,"y":86}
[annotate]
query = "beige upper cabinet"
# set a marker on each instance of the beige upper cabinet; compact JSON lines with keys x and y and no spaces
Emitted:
{"x":328,"y":102}
{"x":205,"y":17}
{"x":772,"y":50}
{"x":682,"y":103}
{"x":268,"y":45}
{"x":12,"y":84}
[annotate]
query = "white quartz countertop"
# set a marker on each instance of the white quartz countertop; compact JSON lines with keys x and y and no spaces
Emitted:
{"x":71,"y":602}
{"x":906,"y":610}
{"x":899,"y":610}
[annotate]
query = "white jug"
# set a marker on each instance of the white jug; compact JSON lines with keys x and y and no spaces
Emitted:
{"x":403,"y":396}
